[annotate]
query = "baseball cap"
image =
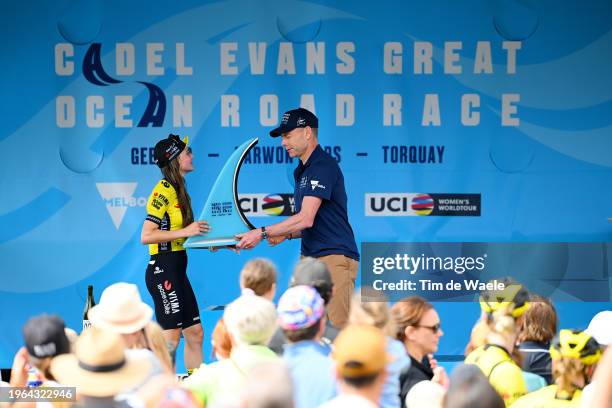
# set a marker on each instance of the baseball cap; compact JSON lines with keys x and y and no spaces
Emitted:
{"x":300,"y":307}
{"x":312,"y":272}
{"x":360,"y":351}
{"x":168,"y":149}
{"x":296,"y":118}
{"x":599,"y":327}
{"x":45,"y":336}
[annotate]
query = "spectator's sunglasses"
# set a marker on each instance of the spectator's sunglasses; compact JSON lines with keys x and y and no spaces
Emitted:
{"x":435,"y":328}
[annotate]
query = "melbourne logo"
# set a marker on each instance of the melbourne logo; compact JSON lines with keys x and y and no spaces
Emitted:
{"x":415,"y":204}
{"x":266,"y":205}
{"x":118,"y":197}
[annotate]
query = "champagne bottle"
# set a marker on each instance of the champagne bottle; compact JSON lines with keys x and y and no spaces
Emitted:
{"x":89,"y":303}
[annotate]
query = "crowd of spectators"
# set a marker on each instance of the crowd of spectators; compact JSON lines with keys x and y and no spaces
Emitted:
{"x":289,"y":355}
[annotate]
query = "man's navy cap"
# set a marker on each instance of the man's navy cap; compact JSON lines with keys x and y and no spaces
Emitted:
{"x":296,"y":118}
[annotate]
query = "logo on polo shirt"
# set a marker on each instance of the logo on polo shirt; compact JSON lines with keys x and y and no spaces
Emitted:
{"x":304,"y":182}
{"x":315,"y":184}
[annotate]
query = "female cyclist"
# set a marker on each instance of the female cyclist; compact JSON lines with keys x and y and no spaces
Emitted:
{"x":168,"y":223}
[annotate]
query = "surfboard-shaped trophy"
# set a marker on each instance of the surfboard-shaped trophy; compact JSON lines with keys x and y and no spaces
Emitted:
{"x":221,"y":210}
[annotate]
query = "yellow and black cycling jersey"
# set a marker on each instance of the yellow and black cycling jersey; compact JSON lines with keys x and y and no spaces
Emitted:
{"x":503,"y":373}
{"x":548,"y":397}
{"x":164,"y":210}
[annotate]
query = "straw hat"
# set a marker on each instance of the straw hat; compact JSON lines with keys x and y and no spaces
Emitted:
{"x":121,"y":309}
{"x":100,"y":367}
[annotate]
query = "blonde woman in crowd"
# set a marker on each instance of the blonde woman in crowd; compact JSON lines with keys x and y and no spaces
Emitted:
{"x":494,"y":358}
{"x":574,"y":356}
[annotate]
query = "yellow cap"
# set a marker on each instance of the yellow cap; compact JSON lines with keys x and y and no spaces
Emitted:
{"x":360,"y":351}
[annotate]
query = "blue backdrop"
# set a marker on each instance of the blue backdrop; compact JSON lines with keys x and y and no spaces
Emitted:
{"x":507,"y":101}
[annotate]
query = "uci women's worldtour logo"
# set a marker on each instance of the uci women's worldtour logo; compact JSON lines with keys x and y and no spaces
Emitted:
{"x":93,"y":109}
{"x":419,"y":204}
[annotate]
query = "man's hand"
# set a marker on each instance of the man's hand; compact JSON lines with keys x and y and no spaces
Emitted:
{"x":273,"y":241}
{"x":249,"y":240}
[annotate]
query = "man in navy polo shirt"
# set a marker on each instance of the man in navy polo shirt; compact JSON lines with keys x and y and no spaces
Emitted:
{"x":321,"y":218}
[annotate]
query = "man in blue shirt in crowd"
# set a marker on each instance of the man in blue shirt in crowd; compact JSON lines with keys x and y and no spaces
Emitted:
{"x":321,"y":217}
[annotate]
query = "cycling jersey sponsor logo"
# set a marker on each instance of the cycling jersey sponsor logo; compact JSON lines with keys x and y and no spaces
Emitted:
{"x":419,"y":204}
{"x":161,"y":198}
{"x":118,"y":197}
{"x":157,"y":270}
{"x":169,"y":298}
